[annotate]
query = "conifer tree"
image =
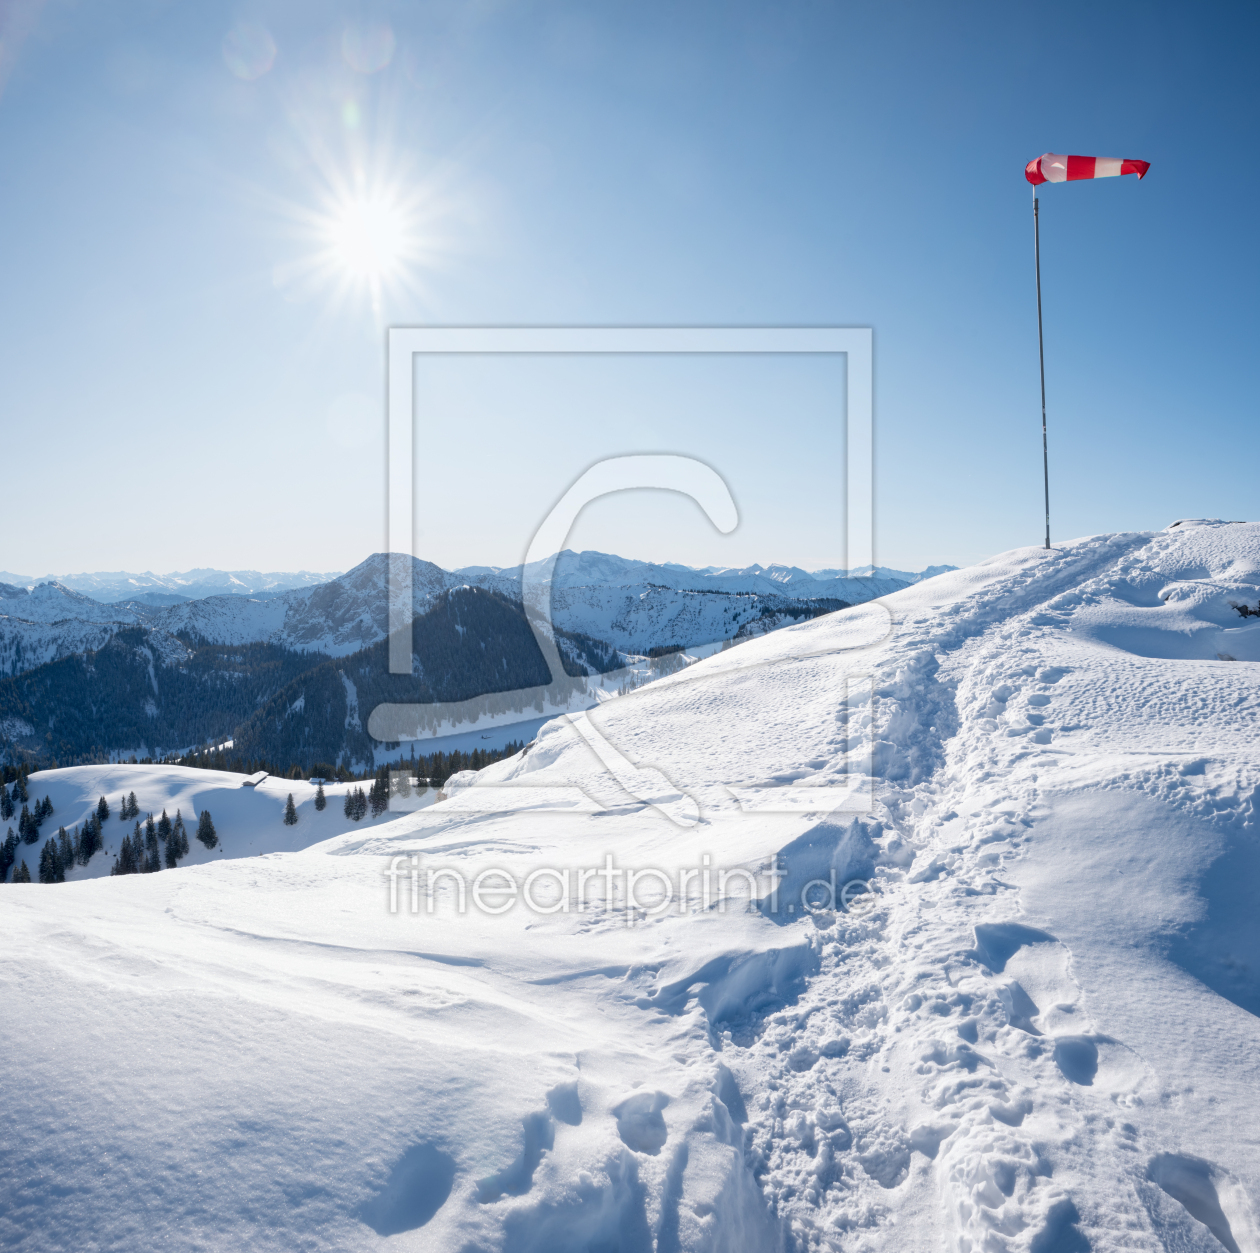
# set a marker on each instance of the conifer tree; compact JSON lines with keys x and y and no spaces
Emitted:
{"x":21,"y":791}
{"x":164,"y":827}
{"x":6,"y":803}
{"x":22,"y":874}
{"x":50,"y":867}
{"x":129,"y":854}
{"x":349,"y":805}
{"x":290,"y":812}
{"x":90,"y":840}
{"x":205,"y":830}
{"x":102,"y":811}
{"x":8,"y":854}
{"x":379,"y":797}
{"x":132,"y":806}
{"x":28,"y":828}
{"x":65,"y":847}
{"x":152,"y":856}
{"x":179,"y":835}
{"x":320,"y":799}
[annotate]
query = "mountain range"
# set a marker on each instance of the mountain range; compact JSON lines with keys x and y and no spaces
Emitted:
{"x":170,"y":589}
{"x":631,"y":605}
{"x":281,"y":674}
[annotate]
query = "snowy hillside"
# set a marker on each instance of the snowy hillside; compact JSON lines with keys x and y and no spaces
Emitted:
{"x":248,"y":820}
{"x":25,"y":645}
{"x":1038,"y":1034}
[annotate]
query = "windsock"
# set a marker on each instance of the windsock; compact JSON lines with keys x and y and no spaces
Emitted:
{"x":1053,"y":168}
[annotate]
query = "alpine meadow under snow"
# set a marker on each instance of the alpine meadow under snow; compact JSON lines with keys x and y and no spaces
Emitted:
{"x":1037,"y":1033}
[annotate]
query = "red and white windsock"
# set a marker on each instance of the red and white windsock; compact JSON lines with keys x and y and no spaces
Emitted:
{"x":1053,"y":168}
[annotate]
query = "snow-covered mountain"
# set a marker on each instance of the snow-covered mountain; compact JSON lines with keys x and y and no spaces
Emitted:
{"x":631,"y":605}
{"x":50,"y":621}
{"x":595,"y":569}
{"x":54,"y":602}
{"x":1037,"y":1032}
{"x":191,"y":584}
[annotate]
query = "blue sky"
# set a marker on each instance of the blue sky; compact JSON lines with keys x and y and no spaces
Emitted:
{"x":192,"y":366}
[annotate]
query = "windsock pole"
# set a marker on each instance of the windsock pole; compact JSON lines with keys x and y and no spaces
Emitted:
{"x":1052,"y":167}
{"x":1041,"y":355}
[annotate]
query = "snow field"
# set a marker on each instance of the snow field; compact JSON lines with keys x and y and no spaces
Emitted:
{"x":1039,"y":1035}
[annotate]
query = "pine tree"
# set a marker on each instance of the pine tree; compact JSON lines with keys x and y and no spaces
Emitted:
{"x":102,"y":811}
{"x":90,"y":840}
{"x":164,"y":827}
{"x":132,"y":807}
{"x":290,"y":812}
{"x":21,"y":793}
{"x":320,"y":799}
{"x":129,"y":855}
{"x":378,"y":797}
{"x":349,"y":805}
{"x":152,"y":856}
{"x":22,"y":874}
{"x":28,"y":828}
{"x":65,"y":847}
{"x":50,"y":867}
{"x":8,"y":854}
{"x":171,"y":854}
{"x":6,"y":804}
{"x":205,"y":830}
{"x":179,"y":835}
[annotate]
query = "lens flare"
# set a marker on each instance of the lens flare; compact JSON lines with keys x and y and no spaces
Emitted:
{"x":368,"y":49}
{"x":368,"y":237}
{"x":249,"y":51}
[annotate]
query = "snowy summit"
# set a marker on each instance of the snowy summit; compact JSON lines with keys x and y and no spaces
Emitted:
{"x":1026,"y":1020}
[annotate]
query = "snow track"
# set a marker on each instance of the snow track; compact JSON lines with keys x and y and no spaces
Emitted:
{"x":1037,"y":1035}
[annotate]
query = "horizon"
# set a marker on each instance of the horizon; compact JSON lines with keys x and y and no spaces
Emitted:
{"x":8,"y":576}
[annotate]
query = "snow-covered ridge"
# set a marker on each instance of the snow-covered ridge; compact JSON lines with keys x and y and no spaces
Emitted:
{"x":631,"y":605}
{"x":191,"y":584}
{"x":1041,"y":1036}
{"x":593,"y":569}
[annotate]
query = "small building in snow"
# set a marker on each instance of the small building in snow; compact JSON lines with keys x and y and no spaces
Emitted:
{"x":254,"y":779}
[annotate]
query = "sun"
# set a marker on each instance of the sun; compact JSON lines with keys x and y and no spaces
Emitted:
{"x":368,"y":237}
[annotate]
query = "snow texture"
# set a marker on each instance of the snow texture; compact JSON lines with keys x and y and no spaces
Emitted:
{"x":1038,"y":1034}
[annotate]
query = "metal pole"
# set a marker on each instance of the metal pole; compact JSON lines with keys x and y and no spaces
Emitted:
{"x":1041,"y":354}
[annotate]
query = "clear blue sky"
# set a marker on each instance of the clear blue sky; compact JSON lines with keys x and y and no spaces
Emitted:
{"x":191,"y":363}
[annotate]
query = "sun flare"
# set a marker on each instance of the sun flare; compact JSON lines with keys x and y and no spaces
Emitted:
{"x":369,"y":238}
